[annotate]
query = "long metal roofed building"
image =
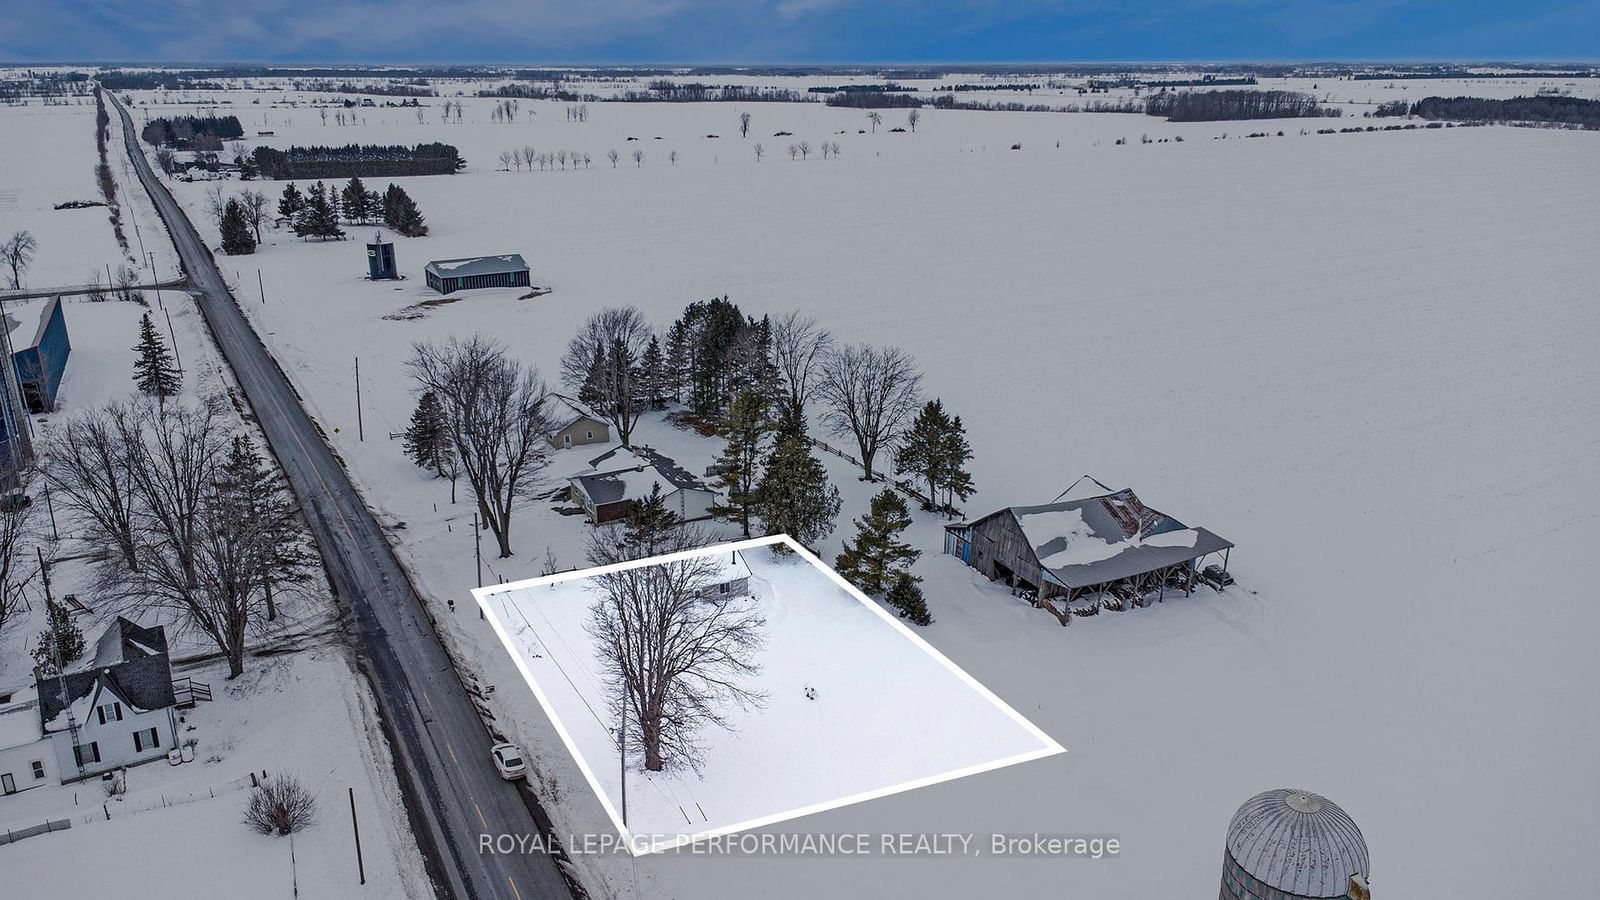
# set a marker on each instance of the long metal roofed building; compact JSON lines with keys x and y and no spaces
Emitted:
{"x":1090,"y":539}
{"x":1289,"y":844}
{"x":450,"y":275}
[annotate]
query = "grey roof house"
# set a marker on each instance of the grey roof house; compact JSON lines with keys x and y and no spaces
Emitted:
{"x":621,"y":477}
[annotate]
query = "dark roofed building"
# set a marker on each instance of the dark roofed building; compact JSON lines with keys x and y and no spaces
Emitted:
{"x":621,"y":477}
{"x":117,"y":709}
{"x":450,"y":275}
{"x":1090,"y":540}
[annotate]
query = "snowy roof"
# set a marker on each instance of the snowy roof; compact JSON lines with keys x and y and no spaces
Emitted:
{"x":468,"y":266}
{"x":1108,"y":536}
{"x":730,"y":567}
{"x":1298,"y":842}
{"x":19,"y":721}
{"x":621,"y":459}
{"x":568,"y":410}
{"x":140,"y":674}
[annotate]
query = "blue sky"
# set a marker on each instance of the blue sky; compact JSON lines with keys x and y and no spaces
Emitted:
{"x":780,"y":31}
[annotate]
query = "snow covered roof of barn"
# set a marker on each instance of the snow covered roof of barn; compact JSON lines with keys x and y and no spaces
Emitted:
{"x":467,"y":266}
{"x":1298,"y":842}
{"x":1109,"y":536}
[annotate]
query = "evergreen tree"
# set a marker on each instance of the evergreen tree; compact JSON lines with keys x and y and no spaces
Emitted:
{"x":265,"y":519}
{"x":744,"y":427}
{"x":957,"y":452}
{"x":922,"y":448}
{"x":878,"y":553}
{"x":409,"y":221}
{"x":905,"y":595}
{"x":291,"y":203}
{"x":237,"y":239}
{"x":677,"y":361}
{"x":154,"y":371}
{"x":427,"y":440}
{"x":61,"y":643}
{"x":648,"y":525}
{"x":789,"y":422}
{"x":652,"y":374}
{"x":596,"y":385}
{"x":935,"y":450}
{"x":353,"y":200}
{"x":400,"y":212}
{"x":318,"y":218}
{"x":794,"y":496}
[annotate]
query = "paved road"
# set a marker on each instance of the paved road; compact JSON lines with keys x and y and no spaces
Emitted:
{"x":439,"y":743}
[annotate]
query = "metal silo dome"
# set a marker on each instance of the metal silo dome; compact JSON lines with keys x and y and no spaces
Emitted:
{"x":1296,"y":842}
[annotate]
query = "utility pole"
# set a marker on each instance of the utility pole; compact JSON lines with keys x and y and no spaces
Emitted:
{"x":477,"y":547}
{"x":55,"y":533}
{"x":361,"y":866}
{"x":361,"y":432}
{"x":263,"y":286}
{"x":622,"y":759}
{"x":174,"y":335}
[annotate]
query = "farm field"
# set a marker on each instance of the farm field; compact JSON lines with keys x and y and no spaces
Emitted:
{"x":1365,"y":359}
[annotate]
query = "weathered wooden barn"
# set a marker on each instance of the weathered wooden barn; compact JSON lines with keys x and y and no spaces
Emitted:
{"x":1091,"y":540}
{"x":468,"y":273}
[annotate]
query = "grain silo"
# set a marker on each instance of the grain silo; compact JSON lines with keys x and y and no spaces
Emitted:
{"x":1289,"y":844}
{"x":380,"y":259}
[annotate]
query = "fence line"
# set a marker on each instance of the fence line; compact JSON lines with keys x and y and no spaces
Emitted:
{"x":113,"y":808}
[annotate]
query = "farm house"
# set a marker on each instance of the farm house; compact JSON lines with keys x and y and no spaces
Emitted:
{"x":576,"y":425}
{"x":1089,"y":541}
{"x":617,"y":479}
{"x":468,"y":273}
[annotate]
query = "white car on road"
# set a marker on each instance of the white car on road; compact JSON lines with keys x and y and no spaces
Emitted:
{"x":508,"y":759}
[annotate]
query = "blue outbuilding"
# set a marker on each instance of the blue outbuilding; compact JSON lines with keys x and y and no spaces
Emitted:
{"x":41,"y":364}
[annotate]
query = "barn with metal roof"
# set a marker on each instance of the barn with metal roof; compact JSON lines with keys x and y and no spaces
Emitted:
{"x":471,"y":272}
{"x":1091,"y":540}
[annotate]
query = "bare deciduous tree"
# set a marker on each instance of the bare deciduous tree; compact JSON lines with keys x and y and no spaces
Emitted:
{"x":760,"y":151}
{"x":799,"y":345}
{"x":744,"y":124}
{"x":613,"y":156}
{"x":17,"y":566}
{"x":280,"y":805}
{"x":255,"y":205}
{"x":638,"y":158}
{"x":600,"y":364}
{"x":870,"y":393}
{"x":17,"y":253}
{"x":497,"y":413}
{"x":216,"y":200}
{"x":675,"y":661}
{"x":805,"y":149}
{"x":88,"y":467}
{"x":912,"y":118}
{"x":876,"y":118}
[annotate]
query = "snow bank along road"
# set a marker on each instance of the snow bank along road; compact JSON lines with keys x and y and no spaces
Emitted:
{"x":439,"y":743}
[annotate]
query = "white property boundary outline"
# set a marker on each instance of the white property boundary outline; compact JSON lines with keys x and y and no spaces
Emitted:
{"x":482,"y":594}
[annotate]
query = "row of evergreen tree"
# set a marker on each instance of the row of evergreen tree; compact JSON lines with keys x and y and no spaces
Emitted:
{"x":317,"y":212}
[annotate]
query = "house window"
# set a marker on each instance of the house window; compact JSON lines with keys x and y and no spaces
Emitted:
{"x":725,"y":586}
{"x":110,"y":712}
{"x":588,"y":435}
{"x":86,"y":753}
{"x":144,"y":740}
{"x":38,"y":769}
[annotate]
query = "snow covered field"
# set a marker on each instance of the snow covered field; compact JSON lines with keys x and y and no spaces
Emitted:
{"x":1366,"y":359}
{"x":844,"y":718}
